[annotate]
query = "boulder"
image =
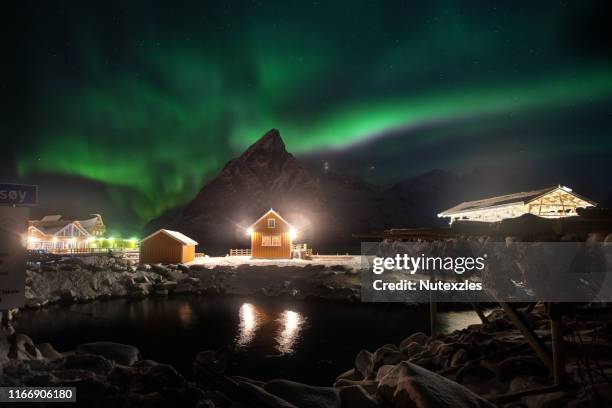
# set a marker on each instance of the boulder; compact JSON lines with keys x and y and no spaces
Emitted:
{"x":520,"y":365}
{"x":550,"y":400}
{"x":418,"y":337}
{"x":472,"y":371}
{"x":388,"y":354}
{"x":369,"y":386}
{"x":408,"y":385}
{"x":89,"y":362}
{"x":363,"y":364}
{"x":21,"y":347}
{"x":347,"y":375}
{"x":304,"y":396}
{"x":411,"y":349}
{"x":355,"y":396}
{"x":263,"y":398}
{"x":120,"y":353}
{"x":460,"y":357}
{"x":48,"y":351}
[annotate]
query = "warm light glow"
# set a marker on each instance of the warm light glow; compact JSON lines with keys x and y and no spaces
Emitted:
{"x":250,"y":319}
{"x":185,"y":314}
{"x":249,"y":231}
{"x":54,"y":239}
{"x":291,"y":324}
{"x":72,"y":240}
{"x":293,"y":233}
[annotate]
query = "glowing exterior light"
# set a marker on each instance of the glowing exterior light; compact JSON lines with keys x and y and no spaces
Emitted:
{"x":249,"y":231}
{"x":293,"y":233}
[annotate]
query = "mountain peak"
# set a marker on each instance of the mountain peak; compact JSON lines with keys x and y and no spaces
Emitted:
{"x":270,"y":143}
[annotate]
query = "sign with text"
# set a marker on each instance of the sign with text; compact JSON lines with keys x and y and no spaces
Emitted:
{"x":13,"y":225}
{"x":18,"y":194}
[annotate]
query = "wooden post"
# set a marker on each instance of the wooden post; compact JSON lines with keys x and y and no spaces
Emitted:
{"x":556,"y":333}
{"x":534,"y":341}
{"x":433,"y":320}
{"x":479,"y":312}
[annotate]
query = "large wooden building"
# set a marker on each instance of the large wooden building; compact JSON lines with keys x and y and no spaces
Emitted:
{"x":271,"y":237}
{"x":169,"y":247}
{"x":552,"y":202}
{"x":53,"y":233}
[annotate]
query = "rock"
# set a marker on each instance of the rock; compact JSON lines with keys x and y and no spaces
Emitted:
{"x":183,"y":268}
{"x":89,"y":362}
{"x":550,"y":400}
{"x":526,"y":382}
{"x":263,"y":398}
{"x":369,"y":386}
{"x":419,"y":338}
{"x":160,"y":292}
{"x":120,"y":353}
{"x":520,"y":365}
{"x":159,"y":269}
{"x":459,"y":357}
{"x":382,"y":371}
{"x":408,"y":385}
{"x":48,"y":351}
{"x":21,"y":347}
{"x":173,"y":389}
{"x":472,"y":371}
{"x":168,"y":285}
{"x":363,"y":364}
{"x":411,"y":349}
{"x":387,"y":354}
{"x":347,"y":375}
{"x":355,"y":396}
{"x":433,"y":346}
{"x":304,"y":396}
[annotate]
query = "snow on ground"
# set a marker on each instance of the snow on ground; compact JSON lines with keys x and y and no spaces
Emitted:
{"x":348,"y":261}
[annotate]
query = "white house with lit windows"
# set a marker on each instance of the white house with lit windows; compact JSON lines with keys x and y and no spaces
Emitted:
{"x":552,"y":202}
{"x":54,"y":234}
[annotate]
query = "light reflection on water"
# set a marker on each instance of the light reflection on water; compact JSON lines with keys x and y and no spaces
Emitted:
{"x":291,"y":324}
{"x":285,"y":332}
{"x":250,"y":319}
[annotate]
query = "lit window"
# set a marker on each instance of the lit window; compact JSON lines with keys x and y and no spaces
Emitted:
{"x":271,"y":240}
{"x":271,"y":223}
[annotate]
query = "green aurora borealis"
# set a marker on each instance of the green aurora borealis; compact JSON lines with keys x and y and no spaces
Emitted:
{"x":152,"y":100}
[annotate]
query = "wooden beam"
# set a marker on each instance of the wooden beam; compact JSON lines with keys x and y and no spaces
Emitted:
{"x":479,"y":312}
{"x":538,"y":347}
{"x":556,"y":332}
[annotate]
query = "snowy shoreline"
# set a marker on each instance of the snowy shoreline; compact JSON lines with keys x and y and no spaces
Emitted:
{"x":102,"y":277}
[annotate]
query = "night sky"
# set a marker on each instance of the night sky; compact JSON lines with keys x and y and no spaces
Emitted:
{"x":150,"y":100}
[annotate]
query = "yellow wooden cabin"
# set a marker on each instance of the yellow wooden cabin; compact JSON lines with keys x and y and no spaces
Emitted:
{"x":169,"y":247}
{"x":271,"y":237}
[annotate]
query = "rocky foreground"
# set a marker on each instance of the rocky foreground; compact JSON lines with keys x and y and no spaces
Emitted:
{"x":481,"y":366}
{"x":86,"y":279}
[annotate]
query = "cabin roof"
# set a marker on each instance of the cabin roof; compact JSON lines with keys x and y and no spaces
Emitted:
{"x":266,"y":214}
{"x":182,"y":238}
{"x":523,"y":197}
{"x":50,"y":227}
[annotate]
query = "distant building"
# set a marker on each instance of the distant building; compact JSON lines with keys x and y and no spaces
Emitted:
{"x":552,"y":202}
{"x":271,"y":237}
{"x":55,"y":234}
{"x":169,"y":247}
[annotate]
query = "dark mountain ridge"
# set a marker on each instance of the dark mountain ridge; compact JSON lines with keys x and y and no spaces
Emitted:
{"x":328,"y":208}
{"x":325,"y":208}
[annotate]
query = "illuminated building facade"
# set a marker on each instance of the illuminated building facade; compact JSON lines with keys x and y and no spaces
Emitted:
{"x":553,"y":202}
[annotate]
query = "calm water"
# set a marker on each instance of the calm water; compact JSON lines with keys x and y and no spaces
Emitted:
{"x":302,"y":341}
